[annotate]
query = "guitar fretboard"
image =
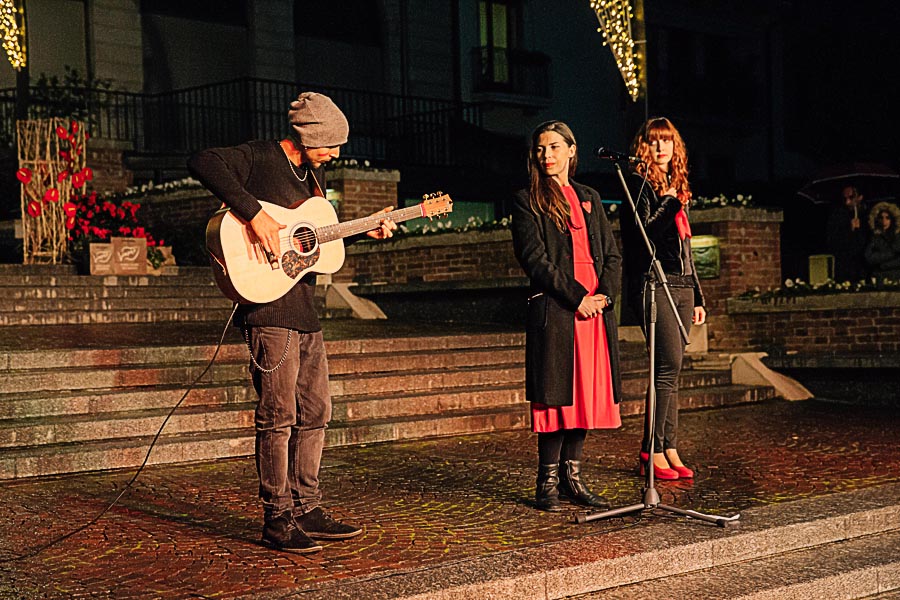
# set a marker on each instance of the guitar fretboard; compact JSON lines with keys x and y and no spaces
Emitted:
{"x":338,"y":231}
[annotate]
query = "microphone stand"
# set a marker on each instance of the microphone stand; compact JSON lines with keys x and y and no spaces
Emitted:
{"x":650,"y":495}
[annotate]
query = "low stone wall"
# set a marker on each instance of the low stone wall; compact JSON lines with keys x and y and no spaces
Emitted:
{"x":423,"y":259}
{"x":850,"y":324}
{"x":180,"y":218}
{"x":460,"y":263}
{"x":461,"y":277}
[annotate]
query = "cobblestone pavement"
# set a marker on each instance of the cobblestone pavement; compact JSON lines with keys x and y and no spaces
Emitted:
{"x":192,"y":531}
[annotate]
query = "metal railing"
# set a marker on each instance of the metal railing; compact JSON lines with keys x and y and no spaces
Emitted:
{"x":383,"y":127}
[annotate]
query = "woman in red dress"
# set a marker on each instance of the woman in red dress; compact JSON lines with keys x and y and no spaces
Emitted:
{"x":564,"y":243}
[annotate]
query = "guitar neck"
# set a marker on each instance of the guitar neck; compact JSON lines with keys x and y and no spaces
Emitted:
{"x":339,"y":231}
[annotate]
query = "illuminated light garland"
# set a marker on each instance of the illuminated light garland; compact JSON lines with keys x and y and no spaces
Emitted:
{"x":12,"y":26}
{"x":615,"y":25}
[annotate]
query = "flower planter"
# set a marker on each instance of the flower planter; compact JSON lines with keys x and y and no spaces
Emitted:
{"x":167,"y":266}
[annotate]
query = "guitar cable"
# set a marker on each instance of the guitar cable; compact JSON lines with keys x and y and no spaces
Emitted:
{"x":190,"y":387}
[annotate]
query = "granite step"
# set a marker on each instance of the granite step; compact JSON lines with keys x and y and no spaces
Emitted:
{"x":122,"y":453}
{"x":440,"y":402}
{"x":695,"y":398}
{"x":136,"y":418}
{"x":111,"y":304}
{"x":463,"y":368}
{"x":840,"y":545}
{"x":15,"y":407}
{"x":58,"y":296}
{"x":219,"y":441}
{"x":38,"y":296}
{"x":451,"y":422}
{"x":151,"y":314}
{"x":237,"y":352}
{"x":117,"y":414}
{"x":855,"y":568}
{"x":635,"y":383}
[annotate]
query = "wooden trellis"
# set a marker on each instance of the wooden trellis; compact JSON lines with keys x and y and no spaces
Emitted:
{"x":52,"y":153}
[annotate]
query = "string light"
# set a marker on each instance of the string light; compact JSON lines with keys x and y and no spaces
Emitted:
{"x":615,"y":25}
{"x":12,"y":27}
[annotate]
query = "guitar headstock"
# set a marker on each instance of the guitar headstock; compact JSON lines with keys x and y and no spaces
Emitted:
{"x":437,"y":204}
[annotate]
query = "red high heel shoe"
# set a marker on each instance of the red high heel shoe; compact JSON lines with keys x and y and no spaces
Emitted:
{"x":658,"y":472}
{"x":683,"y":472}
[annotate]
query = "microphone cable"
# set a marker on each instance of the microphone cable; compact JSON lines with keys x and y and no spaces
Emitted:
{"x":128,"y":485}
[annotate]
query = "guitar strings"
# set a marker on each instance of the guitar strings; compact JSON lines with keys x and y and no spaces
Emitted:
{"x":307,"y":237}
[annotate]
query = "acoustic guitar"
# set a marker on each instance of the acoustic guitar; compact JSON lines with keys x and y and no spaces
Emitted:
{"x":311,"y":242}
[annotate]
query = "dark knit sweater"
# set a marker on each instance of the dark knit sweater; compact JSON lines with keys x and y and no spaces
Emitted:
{"x":240,"y":177}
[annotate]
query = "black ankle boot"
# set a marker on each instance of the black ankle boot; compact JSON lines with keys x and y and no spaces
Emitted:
{"x":546,"y":497}
{"x":571,"y":486}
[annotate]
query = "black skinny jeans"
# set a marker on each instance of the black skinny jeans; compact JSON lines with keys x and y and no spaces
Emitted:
{"x":669,"y":356}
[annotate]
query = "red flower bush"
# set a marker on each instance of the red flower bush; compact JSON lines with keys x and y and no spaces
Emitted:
{"x":96,"y":219}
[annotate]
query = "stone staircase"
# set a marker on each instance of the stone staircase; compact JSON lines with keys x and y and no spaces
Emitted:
{"x":87,"y":408}
{"x":58,"y":295}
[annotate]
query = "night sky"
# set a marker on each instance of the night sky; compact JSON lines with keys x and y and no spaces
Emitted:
{"x":843,"y":90}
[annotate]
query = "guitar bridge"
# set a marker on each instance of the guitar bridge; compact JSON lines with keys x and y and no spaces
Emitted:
{"x":273,"y":260}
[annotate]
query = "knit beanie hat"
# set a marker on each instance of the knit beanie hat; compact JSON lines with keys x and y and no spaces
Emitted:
{"x":317,"y":121}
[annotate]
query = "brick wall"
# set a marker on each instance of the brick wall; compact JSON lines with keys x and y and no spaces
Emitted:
{"x":179,"y":218}
{"x":462,"y":257}
{"x":750,"y":257}
{"x":851,"y":323}
{"x":361,"y":192}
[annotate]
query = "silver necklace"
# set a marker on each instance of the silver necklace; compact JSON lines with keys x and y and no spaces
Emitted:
{"x":294,"y":168}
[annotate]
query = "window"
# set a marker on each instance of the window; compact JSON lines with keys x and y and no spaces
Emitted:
{"x":498,"y":31}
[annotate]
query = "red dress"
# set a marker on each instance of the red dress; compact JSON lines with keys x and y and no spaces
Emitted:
{"x":593,"y":406}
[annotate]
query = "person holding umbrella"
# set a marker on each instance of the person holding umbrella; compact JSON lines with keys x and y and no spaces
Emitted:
{"x":847,"y":238}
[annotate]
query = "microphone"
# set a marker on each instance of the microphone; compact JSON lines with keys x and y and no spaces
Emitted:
{"x":605,"y":153}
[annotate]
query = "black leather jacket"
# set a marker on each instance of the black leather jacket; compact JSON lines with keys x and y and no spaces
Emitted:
{"x":657,"y":214}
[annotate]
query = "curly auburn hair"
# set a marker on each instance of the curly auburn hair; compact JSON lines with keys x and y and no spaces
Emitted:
{"x":661,"y":128}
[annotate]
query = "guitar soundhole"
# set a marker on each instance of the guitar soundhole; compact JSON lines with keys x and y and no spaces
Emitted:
{"x":304,"y":252}
{"x":304,"y":240}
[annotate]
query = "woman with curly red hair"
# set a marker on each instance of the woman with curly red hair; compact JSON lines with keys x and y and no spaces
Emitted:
{"x":662,"y":196}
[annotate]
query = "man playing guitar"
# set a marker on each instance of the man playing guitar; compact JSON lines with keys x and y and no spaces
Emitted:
{"x":288,"y":366}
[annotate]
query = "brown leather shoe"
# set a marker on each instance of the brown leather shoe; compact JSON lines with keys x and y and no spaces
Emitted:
{"x":319,"y":525}
{"x":282,"y":533}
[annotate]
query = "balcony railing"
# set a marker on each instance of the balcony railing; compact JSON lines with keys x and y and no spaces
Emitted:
{"x":383,"y":127}
{"x":511,"y":71}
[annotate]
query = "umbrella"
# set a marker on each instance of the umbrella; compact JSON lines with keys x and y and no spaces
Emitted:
{"x":873,"y":180}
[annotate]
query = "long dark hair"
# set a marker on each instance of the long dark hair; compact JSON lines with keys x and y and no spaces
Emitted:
{"x":660,"y":128}
{"x":544,"y":195}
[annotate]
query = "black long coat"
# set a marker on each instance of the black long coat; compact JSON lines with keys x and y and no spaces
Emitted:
{"x":545,"y":254}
